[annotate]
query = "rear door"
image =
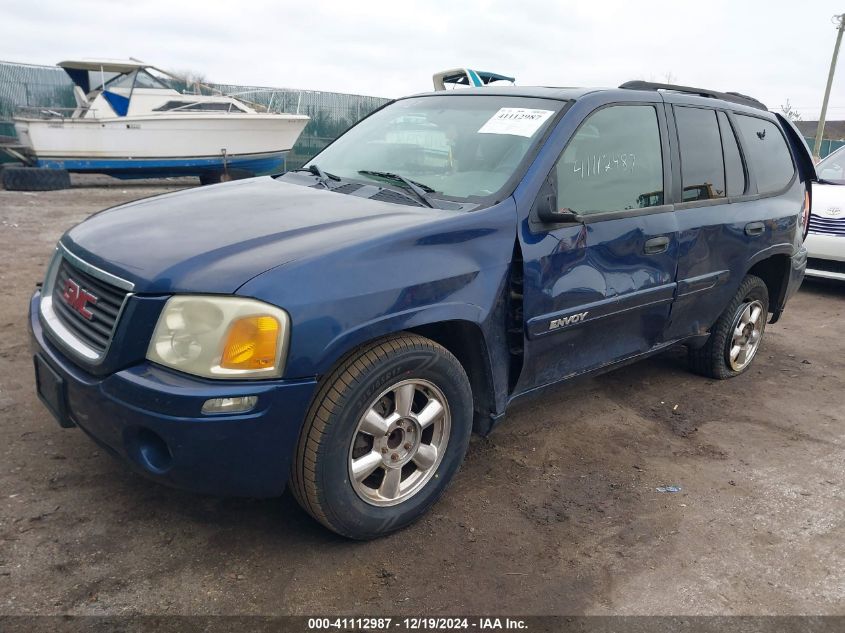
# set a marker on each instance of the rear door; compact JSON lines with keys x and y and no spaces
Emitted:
{"x":600,"y":291}
{"x":732,"y":170}
{"x":711,"y":175}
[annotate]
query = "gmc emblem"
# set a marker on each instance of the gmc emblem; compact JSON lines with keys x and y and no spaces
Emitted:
{"x":78,"y":298}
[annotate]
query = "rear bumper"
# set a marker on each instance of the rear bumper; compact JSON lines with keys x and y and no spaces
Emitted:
{"x":797,"y":268}
{"x":827,"y":256}
{"x":150,"y":418}
{"x":796,"y":273}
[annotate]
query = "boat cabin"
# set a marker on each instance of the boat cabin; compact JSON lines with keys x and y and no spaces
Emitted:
{"x":105,"y":88}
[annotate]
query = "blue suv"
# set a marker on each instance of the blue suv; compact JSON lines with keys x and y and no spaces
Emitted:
{"x":344,"y":328}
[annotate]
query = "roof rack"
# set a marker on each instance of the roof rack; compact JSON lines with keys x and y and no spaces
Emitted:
{"x":733,"y":97}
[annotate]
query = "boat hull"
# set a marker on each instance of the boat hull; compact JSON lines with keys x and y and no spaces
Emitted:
{"x":150,"y":146}
{"x":128,"y":168}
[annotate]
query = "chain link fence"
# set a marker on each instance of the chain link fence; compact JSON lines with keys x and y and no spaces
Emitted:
{"x":332,"y":113}
{"x":26,"y":85}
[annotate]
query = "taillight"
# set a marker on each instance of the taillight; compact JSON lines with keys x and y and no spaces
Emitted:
{"x":805,"y":214}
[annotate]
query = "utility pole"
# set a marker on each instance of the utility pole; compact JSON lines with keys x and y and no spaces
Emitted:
{"x":820,"y":130}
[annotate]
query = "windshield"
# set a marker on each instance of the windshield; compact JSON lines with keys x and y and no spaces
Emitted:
{"x":458,"y":146}
{"x":832,"y":168}
{"x":137,"y":79}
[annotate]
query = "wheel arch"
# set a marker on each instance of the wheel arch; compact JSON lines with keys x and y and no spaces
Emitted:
{"x":774,"y":270}
{"x":465,"y":341}
{"x":457,"y":327}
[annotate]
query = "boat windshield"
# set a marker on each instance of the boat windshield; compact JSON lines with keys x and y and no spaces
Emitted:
{"x":137,"y":79}
{"x":458,"y":146}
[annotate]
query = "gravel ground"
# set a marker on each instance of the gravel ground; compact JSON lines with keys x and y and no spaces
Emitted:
{"x":555,"y":513}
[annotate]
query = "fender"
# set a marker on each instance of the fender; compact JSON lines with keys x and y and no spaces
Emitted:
{"x":393,"y":323}
{"x":766,"y":253}
{"x":453,"y":269}
{"x":779,"y":275}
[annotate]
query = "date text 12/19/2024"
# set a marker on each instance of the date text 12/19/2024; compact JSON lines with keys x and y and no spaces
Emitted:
{"x":416,"y":624}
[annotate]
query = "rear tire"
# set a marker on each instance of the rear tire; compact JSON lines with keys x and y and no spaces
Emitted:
{"x":736,"y":336}
{"x":385,"y":434}
{"x":18,"y":178}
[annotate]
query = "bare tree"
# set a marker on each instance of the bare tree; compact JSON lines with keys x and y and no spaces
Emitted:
{"x":193,"y":79}
{"x":667,"y":77}
{"x":789,"y":111}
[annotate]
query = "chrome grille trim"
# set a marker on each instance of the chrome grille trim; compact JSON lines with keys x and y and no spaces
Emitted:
{"x":827,"y":226}
{"x":92,"y":270}
{"x":60,"y":322}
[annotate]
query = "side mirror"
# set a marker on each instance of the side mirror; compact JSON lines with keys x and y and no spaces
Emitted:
{"x":545,"y":206}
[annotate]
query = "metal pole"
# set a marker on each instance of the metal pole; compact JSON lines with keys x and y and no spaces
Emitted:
{"x":820,"y":130}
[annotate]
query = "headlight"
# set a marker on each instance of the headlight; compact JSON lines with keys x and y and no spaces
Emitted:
{"x":221,"y":337}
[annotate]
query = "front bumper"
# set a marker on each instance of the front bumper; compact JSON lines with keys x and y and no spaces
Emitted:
{"x":827,"y":256}
{"x":150,"y":418}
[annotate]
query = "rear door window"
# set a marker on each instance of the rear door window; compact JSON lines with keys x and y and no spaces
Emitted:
{"x":702,"y":166}
{"x":734,"y":172}
{"x":767,"y":153}
{"x":613,"y":162}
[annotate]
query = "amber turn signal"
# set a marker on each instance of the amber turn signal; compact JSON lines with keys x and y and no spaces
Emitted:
{"x":252,"y":343}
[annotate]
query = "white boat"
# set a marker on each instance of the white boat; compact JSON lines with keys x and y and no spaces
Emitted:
{"x":130,"y":123}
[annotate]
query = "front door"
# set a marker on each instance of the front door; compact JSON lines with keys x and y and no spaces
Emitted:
{"x":599,"y":291}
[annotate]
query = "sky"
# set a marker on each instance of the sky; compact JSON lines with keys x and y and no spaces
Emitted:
{"x":773,"y":50}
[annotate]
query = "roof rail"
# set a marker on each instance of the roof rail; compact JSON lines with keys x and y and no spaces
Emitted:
{"x":733,"y":97}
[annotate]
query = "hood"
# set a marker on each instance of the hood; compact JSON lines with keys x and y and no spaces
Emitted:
{"x":214,"y":239}
{"x":828,"y":200}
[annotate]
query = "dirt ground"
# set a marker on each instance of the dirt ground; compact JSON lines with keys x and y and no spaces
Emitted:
{"x":556,"y":513}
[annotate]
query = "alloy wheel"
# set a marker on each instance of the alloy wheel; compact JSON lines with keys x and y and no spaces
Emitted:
{"x":399,"y":442}
{"x":747,"y":333}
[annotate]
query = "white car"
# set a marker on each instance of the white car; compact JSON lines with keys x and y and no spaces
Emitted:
{"x":826,"y":239}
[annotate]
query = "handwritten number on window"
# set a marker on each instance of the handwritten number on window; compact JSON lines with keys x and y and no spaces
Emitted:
{"x":599,"y":164}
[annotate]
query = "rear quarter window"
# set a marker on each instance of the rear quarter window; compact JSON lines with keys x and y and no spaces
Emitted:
{"x":766,"y":152}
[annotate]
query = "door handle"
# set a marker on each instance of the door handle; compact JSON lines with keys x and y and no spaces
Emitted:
{"x":656,"y":245}
{"x":754,"y":228}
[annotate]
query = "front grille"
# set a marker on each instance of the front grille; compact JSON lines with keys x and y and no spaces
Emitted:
{"x":828,"y":226}
{"x":825,"y":265}
{"x":95,"y":332}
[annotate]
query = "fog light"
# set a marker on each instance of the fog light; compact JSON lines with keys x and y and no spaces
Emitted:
{"x":239,"y":404}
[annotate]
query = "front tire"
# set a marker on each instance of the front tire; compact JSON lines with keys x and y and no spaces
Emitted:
{"x":735,"y":337}
{"x":386,"y":433}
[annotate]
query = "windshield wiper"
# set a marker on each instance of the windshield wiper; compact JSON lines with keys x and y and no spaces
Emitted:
{"x":324,"y":177}
{"x":419,"y":189}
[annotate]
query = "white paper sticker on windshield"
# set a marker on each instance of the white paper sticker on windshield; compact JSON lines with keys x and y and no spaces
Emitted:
{"x":516,"y":121}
